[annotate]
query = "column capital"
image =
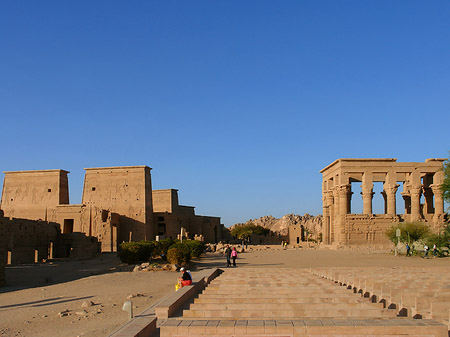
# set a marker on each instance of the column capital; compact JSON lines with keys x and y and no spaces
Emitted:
{"x":368,"y":193}
{"x":415,"y":189}
{"x":391,"y":189}
{"x":436,"y":188}
{"x":344,"y":189}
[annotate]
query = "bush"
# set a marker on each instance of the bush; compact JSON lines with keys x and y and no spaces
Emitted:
{"x":134,"y":252}
{"x":161,"y":247}
{"x":410,"y":232}
{"x":196,"y":248}
{"x":178,"y":255}
{"x":242,"y":231}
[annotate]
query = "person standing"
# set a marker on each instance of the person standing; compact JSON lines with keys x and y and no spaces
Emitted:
{"x":227,"y":254}
{"x":408,"y":248}
{"x":234,"y":255}
{"x":425,"y":254}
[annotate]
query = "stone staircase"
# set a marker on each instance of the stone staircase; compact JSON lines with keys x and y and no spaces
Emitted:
{"x":289,"y":302}
{"x":413,"y":292}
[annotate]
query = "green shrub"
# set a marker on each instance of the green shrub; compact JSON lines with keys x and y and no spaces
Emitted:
{"x":161,"y":247}
{"x":242,"y":231}
{"x":410,"y":232}
{"x":178,"y":255}
{"x":196,"y":248}
{"x":134,"y":252}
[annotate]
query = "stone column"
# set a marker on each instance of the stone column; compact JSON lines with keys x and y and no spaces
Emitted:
{"x":407,"y":198}
{"x":326,"y":222}
{"x":367,"y":194}
{"x":330,"y":229}
{"x":438,"y":199}
{"x":391,"y":191}
{"x":344,"y":191}
{"x":350,"y":202}
{"x":428,"y":194}
{"x":383,"y":194}
{"x":415,"y":191}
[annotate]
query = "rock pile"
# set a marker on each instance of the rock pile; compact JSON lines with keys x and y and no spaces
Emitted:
{"x":147,"y":266}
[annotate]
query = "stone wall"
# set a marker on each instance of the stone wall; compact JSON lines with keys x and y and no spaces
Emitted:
{"x":170,"y":216}
{"x":29,"y":241}
{"x":3,"y":251}
{"x":126,"y":191}
{"x":34,"y":194}
{"x":117,"y":205}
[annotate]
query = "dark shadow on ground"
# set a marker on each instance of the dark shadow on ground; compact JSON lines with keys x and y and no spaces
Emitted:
{"x":59,"y":271}
{"x":45,"y":302}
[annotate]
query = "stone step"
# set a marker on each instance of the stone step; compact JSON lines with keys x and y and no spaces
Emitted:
{"x":258,"y":300}
{"x":287,"y":313}
{"x":274,"y":295}
{"x":304,"y":327}
{"x":284,"y":306}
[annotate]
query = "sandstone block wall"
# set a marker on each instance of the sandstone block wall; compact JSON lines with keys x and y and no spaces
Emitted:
{"x":117,"y":205}
{"x":3,"y":253}
{"x":34,"y":194}
{"x":126,"y":191}
{"x":28,"y":241}
{"x":170,"y":216}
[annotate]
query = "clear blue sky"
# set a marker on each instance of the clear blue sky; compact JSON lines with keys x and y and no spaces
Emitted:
{"x":238,"y":104}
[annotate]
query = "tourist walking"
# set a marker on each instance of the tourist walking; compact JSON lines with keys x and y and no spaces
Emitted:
{"x":435,"y":251}
{"x":234,"y":255}
{"x":425,"y":254}
{"x":408,"y":249}
{"x":227,"y":254}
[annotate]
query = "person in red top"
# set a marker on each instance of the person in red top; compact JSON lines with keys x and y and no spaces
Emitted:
{"x":184,"y":280}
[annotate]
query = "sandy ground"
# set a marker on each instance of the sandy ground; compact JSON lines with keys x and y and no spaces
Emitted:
{"x":36,"y":295}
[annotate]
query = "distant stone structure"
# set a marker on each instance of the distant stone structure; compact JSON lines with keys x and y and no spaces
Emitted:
{"x":305,"y":228}
{"x":170,"y":216}
{"x":117,"y":205}
{"x":342,"y":228}
{"x":33,"y":241}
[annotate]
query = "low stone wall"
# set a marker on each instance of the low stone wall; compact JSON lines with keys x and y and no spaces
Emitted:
{"x":29,"y":241}
{"x":78,"y":246}
{"x":3,"y":254}
{"x":145,"y":323}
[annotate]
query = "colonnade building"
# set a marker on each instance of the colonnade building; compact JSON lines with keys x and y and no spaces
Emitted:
{"x":417,"y":184}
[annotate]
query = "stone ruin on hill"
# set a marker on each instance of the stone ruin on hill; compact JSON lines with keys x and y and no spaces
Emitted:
{"x":312,"y":223}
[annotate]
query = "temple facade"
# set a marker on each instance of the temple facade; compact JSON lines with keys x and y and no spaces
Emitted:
{"x":117,"y":205}
{"x":417,"y":184}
